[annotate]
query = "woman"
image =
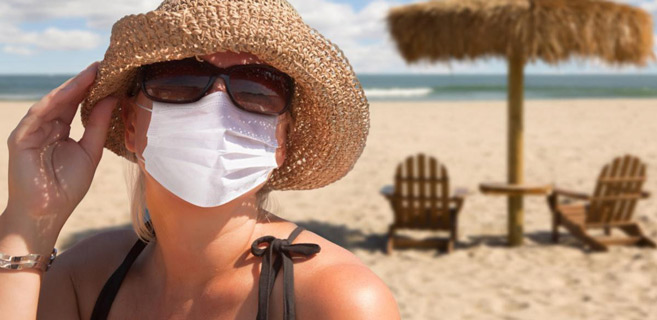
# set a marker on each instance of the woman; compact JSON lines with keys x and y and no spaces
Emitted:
{"x":218,"y":102}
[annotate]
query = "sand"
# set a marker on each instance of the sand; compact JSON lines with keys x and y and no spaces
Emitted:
{"x":566,"y":143}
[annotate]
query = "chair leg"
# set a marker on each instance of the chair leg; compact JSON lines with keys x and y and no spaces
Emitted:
{"x":390,"y":244}
{"x":454,"y":232}
{"x":635,"y":231}
{"x":607,"y":231}
{"x":583,"y":236}
{"x":556,"y":219}
{"x":449,"y":247}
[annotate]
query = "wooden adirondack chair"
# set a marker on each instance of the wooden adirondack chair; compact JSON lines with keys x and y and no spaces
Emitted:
{"x":611,"y":206}
{"x":420,"y":200}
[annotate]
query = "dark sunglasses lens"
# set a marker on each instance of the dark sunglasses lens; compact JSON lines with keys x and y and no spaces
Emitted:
{"x":176,"y":88}
{"x":176,"y":81}
{"x":260,"y":90}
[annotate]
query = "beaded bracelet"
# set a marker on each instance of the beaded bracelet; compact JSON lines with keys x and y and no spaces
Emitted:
{"x":30,"y":261}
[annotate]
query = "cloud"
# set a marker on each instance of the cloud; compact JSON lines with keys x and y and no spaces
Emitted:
{"x":50,"y":39}
{"x":18,"y":50}
{"x":340,"y":21}
{"x":98,"y":14}
{"x":361,"y":34}
{"x":56,"y":39}
{"x":650,"y":6}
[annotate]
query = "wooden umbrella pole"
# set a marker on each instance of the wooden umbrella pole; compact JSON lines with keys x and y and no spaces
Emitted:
{"x":515,"y":147}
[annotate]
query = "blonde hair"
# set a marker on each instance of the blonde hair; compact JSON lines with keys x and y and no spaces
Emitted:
{"x":137,"y":192}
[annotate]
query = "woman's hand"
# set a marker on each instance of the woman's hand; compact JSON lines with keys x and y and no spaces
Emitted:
{"x":49,"y":173}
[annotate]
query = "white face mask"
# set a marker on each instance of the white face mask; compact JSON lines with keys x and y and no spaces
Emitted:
{"x":209,"y":152}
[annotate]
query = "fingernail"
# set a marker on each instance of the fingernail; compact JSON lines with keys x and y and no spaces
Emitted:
{"x":93,"y":65}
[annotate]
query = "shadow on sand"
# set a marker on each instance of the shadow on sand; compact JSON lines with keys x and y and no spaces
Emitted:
{"x":537,"y":238}
{"x":353,"y":238}
{"x":76,"y":237}
{"x":348,"y":238}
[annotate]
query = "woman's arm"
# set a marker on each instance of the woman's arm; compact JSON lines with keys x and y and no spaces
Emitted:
{"x":352,"y":291}
{"x":49,"y":174}
{"x":58,"y":298}
{"x":19,"y":290}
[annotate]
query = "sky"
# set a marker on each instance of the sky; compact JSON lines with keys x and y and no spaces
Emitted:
{"x":64,"y":36}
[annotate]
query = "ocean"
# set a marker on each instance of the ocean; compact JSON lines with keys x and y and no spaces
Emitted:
{"x":426,"y":87}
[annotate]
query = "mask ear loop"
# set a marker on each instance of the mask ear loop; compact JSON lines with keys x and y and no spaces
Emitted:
{"x":147,"y":109}
{"x":138,"y":156}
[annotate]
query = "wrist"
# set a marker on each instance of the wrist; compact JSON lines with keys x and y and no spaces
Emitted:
{"x":27,"y":262}
{"x":20,"y":238}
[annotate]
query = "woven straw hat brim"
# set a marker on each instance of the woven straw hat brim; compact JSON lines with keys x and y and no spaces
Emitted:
{"x":329,"y":110}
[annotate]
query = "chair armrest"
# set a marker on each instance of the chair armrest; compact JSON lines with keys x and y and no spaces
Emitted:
{"x":388,"y":190}
{"x":458,"y":199}
{"x":460,"y":192}
{"x":570,"y":194}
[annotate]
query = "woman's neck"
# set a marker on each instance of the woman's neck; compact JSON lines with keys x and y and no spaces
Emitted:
{"x":194,"y":245}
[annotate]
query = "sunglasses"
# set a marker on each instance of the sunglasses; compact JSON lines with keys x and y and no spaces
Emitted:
{"x":254,"y":88}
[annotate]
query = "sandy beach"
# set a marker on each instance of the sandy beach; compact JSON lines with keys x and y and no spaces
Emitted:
{"x":566,"y":142}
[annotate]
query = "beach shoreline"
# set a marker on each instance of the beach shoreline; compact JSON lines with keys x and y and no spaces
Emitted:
{"x":566,"y":143}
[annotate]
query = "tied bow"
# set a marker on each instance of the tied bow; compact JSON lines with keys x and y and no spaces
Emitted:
{"x":283,"y":250}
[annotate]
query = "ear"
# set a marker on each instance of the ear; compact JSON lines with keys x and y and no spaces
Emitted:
{"x":282,"y":129}
{"x":129,"y":118}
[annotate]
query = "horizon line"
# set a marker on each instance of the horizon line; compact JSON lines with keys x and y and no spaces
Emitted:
{"x":415,"y":74}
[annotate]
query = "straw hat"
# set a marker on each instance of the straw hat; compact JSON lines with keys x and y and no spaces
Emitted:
{"x":329,"y":108}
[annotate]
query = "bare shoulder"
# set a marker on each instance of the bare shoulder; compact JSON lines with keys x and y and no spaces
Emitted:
{"x":90,"y":262}
{"x":337,"y":285}
{"x":98,"y":255}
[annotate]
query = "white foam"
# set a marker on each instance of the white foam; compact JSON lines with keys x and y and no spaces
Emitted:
{"x":20,"y":97}
{"x":397,"y":92}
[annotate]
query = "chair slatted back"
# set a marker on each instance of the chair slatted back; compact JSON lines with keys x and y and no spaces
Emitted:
{"x":617,"y":191}
{"x":421,"y":198}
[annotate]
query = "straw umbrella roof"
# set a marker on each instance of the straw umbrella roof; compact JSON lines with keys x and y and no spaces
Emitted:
{"x":550,"y":30}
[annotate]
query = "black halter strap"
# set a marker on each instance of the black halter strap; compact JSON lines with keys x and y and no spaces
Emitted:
{"x":282,"y":250}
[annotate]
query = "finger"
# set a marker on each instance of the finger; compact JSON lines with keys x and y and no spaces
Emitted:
{"x":57,"y":130}
{"x":31,"y":127}
{"x":71,"y":89}
{"x":95,"y":133}
{"x":62,"y":102}
{"x":67,"y":113}
{"x":49,"y":133}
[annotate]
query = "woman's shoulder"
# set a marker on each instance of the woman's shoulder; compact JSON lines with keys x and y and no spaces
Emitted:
{"x":339,"y":285}
{"x":335,"y":283}
{"x":91,"y":261}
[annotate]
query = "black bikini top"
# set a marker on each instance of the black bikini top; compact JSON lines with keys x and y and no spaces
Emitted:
{"x":278,"y":253}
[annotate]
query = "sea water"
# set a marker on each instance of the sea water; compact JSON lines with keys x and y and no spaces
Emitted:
{"x":426,"y":87}
{"x":486,"y":87}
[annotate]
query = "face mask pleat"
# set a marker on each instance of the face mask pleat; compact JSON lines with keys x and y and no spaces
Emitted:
{"x":219,"y":160}
{"x":209,"y":152}
{"x":235,"y":143}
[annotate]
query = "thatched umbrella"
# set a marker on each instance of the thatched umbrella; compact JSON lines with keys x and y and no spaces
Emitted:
{"x":522,"y":31}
